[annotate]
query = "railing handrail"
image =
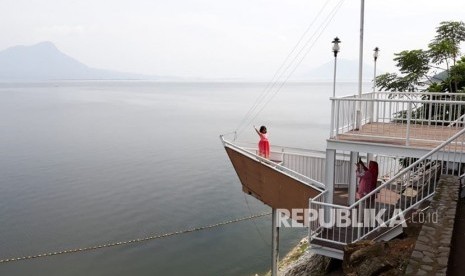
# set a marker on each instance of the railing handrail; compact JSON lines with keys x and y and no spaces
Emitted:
{"x":418,"y":93}
{"x":287,"y":171}
{"x":293,"y":150}
{"x":286,"y":150}
{"x":457,"y":120}
{"x":318,"y":196}
{"x":404,"y":93}
{"x":395,"y":100}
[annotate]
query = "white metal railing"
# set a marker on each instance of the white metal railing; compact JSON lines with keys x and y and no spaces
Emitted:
{"x":388,"y":166}
{"x":436,"y":96}
{"x":406,"y":190}
{"x":401,"y":115}
{"x":314,"y":227}
{"x":310,"y":163}
{"x":274,"y":165}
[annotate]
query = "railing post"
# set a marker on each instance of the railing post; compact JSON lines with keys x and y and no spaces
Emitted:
{"x":409,"y":117}
{"x":329,"y":180}
{"x":371,"y":105}
{"x":352,"y":178}
{"x":430,"y":112}
{"x":337,"y":109}
{"x":309,"y":222}
{"x":360,"y":219}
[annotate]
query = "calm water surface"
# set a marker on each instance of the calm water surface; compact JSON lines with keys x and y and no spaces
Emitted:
{"x":87,"y":163}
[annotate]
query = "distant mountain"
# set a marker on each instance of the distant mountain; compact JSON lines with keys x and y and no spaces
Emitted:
{"x":347,"y":70}
{"x":43,"y":61}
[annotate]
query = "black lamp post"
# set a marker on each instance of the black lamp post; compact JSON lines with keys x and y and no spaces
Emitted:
{"x":336,"y":49}
{"x":375,"y":57}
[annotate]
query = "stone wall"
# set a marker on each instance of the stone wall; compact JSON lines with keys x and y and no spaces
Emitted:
{"x":432,"y":248}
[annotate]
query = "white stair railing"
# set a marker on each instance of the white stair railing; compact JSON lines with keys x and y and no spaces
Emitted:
{"x":392,"y":200}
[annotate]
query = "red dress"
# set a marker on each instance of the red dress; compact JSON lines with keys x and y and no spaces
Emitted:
{"x":264,"y":146}
{"x":368,"y":178}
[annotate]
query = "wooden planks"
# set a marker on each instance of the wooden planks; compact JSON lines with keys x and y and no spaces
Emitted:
{"x":421,"y":136}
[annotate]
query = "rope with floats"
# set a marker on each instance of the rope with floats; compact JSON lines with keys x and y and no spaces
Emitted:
{"x":128,"y":242}
{"x":291,"y":65}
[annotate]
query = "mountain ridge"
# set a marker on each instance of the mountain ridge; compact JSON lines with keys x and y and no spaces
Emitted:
{"x":44,"y":61}
{"x":346,"y":71}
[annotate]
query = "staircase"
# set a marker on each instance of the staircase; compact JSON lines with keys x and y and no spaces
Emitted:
{"x":396,"y":199}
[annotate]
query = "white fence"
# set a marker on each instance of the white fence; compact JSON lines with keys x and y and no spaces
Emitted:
{"x":384,"y":112}
{"x":312,"y":163}
{"x":396,"y":197}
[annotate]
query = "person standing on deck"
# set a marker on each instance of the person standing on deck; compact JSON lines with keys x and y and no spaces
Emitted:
{"x":264,"y":144}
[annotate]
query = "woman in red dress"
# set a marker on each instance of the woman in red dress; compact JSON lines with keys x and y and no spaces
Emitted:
{"x":264,"y":144}
{"x":368,"y":178}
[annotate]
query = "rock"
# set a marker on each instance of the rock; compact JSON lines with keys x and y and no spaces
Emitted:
{"x":366,"y":258}
{"x":309,"y":264}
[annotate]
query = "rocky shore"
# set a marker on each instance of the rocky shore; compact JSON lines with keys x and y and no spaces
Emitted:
{"x":423,"y":247}
{"x":362,"y":258}
{"x":300,"y":262}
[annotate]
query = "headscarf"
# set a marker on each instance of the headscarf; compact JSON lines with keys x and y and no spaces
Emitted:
{"x":373,"y":169}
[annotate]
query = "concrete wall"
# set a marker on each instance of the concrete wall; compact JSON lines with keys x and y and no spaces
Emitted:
{"x":432,"y":248}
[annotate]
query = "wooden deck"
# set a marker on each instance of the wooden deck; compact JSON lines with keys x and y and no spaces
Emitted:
{"x":421,"y":136}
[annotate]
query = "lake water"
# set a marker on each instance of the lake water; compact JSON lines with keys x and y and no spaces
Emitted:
{"x":87,"y":163}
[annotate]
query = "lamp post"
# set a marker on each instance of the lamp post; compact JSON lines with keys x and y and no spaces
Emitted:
{"x":358,"y":114}
{"x":371,"y":109}
{"x":336,"y":49}
{"x":375,"y":57}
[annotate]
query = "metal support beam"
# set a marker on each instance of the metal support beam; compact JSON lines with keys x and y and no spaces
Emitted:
{"x":392,"y":150}
{"x":386,"y":149}
{"x":329,"y":181}
{"x":329,"y":174}
{"x":274,"y":243}
{"x":352,"y":177}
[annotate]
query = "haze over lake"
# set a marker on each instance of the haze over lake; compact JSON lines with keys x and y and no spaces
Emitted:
{"x":87,"y":163}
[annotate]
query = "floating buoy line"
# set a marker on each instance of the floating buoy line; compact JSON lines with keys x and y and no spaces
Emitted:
{"x":133,"y":241}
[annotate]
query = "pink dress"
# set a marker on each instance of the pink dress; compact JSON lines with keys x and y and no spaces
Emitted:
{"x":264,"y":146}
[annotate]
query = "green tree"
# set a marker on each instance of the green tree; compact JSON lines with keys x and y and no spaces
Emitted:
{"x":442,"y":52}
{"x":457,"y":74}
{"x":415,"y":65}
{"x":450,"y":30}
{"x":446,"y":46}
{"x":415,"y":72}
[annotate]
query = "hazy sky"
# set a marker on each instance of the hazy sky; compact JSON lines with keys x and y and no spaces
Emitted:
{"x":217,"y":38}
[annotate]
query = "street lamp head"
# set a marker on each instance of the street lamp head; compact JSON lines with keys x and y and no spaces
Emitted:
{"x":376,"y":53}
{"x":336,"y":47}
